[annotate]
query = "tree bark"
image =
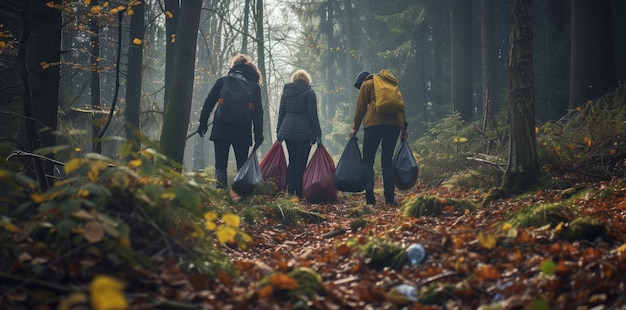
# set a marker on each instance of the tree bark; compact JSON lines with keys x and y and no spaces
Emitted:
{"x":134,"y":76}
{"x":523,"y":168}
{"x":172,"y":7}
{"x":176,"y":118}
{"x":98,"y":119}
{"x":592,"y":65}
{"x":267,"y":131}
{"x":488,"y":58}
{"x":40,"y":44}
{"x":461,"y":57}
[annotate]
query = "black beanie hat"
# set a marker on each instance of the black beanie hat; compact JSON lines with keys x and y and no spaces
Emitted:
{"x":360,"y":77}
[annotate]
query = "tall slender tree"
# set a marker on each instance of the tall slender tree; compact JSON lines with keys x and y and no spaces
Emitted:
{"x":592,"y":64}
{"x":172,"y":13}
{"x":134,"y":77}
{"x":40,"y":44}
{"x":523,"y":168}
{"x":96,"y":68}
{"x":461,"y":62}
{"x":176,"y":117}
{"x":488,"y":58}
{"x":260,"y":41}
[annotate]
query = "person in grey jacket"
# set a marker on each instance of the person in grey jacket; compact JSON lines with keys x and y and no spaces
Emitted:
{"x":299,"y":126}
{"x":225,"y":134}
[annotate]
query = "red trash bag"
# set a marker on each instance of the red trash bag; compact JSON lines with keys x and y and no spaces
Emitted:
{"x":274,"y":166}
{"x":318,"y":185}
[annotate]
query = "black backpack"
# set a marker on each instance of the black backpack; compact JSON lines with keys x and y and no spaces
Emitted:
{"x":235,"y":103}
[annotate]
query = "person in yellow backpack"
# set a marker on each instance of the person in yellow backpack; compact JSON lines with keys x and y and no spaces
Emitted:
{"x":378,"y":129}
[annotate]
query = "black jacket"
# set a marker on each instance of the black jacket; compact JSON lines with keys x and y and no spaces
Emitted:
{"x":297,"y":115}
{"x":235,"y":132}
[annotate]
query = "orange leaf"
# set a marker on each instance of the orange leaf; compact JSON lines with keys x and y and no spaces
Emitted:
{"x":283,"y":281}
{"x":266,"y":291}
{"x":488,"y":272}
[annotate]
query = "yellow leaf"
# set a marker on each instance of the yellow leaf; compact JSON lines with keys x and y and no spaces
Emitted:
{"x":125,"y":242}
{"x":210,"y":225}
{"x":168,"y":196}
{"x":169,"y":14}
{"x":486,"y":240}
{"x":558,"y":228}
{"x":134,"y":163}
{"x":462,"y":140}
{"x":87,"y":2}
{"x":107,"y":293}
{"x":245,"y":236}
{"x":536,"y":129}
{"x":130,"y":12}
{"x":114,"y":11}
{"x":231,"y":220}
{"x":73,"y":164}
{"x":77,"y":149}
{"x":621,"y":248}
{"x":137,"y":41}
{"x":225,"y":234}
{"x":43,"y":197}
{"x":10,"y":227}
{"x":506,"y":226}
{"x":105,"y":4}
{"x":96,"y":9}
{"x":210,"y":216}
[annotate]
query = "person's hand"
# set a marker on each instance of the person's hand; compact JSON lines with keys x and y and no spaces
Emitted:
{"x":258,"y":140}
{"x":404,"y":134}
{"x":353,"y":132}
{"x":318,"y":140}
{"x":202,"y":128}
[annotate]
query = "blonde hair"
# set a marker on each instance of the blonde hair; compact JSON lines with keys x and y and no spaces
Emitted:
{"x":301,"y":76}
{"x":245,"y":59}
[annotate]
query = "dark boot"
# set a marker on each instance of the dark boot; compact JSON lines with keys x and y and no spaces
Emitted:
{"x":222,"y":178}
{"x":369,"y":197}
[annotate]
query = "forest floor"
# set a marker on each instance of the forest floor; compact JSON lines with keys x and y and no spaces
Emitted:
{"x":475,"y":260}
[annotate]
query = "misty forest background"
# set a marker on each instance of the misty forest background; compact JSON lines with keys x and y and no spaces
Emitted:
{"x":83,"y":73}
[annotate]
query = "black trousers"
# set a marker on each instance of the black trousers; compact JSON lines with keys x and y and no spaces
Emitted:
{"x":373,"y":137}
{"x":298,"y":156}
{"x":222,"y":148}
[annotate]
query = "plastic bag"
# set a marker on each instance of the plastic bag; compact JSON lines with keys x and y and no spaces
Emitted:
{"x":349,"y":174}
{"x":274,"y":166}
{"x":318,"y":184}
{"x":404,"y":167}
{"x":248,"y":177}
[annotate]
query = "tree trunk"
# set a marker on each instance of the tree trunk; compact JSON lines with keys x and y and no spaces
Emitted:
{"x":40,"y":43}
{"x":98,"y":119}
{"x":267,"y":131}
{"x":488,"y":58}
{"x":592,"y":65}
{"x":173,"y":7}
{"x":246,"y":17}
{"x":461,"y":61}
{"x":523,"y":168}
{"x":176,"y":118}
{"x":134,"y":76}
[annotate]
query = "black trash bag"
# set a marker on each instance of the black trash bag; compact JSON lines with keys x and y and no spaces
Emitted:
{"x":248,"y":177}
{"x":349,"y":174}
{"x":405,"y":168}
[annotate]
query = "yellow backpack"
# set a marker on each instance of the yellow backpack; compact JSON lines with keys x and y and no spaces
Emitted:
{"x":388,"y":96}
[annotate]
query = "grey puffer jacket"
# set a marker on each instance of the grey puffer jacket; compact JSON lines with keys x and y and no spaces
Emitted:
{"x":297,"y":115}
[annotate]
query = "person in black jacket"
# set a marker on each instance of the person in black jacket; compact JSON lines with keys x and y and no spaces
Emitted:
{"x":299,"y":126}
{"x":225,"y":134}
